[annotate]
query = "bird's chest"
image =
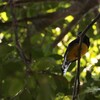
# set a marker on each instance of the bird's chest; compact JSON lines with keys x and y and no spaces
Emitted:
{"x":74,"y":51}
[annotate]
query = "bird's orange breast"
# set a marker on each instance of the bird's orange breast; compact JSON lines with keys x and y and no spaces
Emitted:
{"x":73,"y":52}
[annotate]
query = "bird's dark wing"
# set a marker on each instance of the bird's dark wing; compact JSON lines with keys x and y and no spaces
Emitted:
{"x":74,"y":42}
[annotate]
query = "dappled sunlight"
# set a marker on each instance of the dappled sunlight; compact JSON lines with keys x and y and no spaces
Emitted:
{"x":59,"y":44}
{"x":34,"y":36}
{"x":94,"y":60}
{"x":56,"y":31}
{"x":83,"y":74}
{"x":95,"y":29}
{"x":69,"y":18}
{"x":50,"y":10}
{"x":69,"y":76}
{"x":87,"y":54}
{"x":3,"y":16}
{"x":61,"y":48}
{"x":42,"y":34}
{"x":1,"y":37}
{"x":96,"y":72}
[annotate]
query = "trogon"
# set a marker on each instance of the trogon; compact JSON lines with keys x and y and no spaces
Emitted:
{"x":72,"y":51}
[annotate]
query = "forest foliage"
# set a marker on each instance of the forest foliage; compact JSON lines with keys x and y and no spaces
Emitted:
{"x":34,"y":35}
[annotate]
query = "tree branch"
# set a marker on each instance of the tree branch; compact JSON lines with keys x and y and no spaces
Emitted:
{"x":18,"y":3}
{"x":77,"y":79}
{"x":27,"y":1}
{"x":42,"y":21}
{"x":18,"y":46}
{"x":87,"y":6}
{"x":66,"y":30}
{"x":90,"y":25}
{"x":96,"y":12}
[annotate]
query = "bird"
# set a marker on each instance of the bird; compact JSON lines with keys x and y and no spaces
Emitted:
{"x":72,"y":52}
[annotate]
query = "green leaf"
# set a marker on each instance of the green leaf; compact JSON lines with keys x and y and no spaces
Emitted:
{"x":11,"y":86}
{"x":37,"y":53}
{"x":12,"y":66}
{"x":98,"y":63}
{"x":25,"y":95}
{"x":4,"y":50}
{"x":44,"y":64}
{"x":71,"y":66}
{"x":93,"y":89}
{"x":56,"y":56}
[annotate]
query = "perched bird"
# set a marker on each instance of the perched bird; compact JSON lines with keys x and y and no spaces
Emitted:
{"x":72,"y":51}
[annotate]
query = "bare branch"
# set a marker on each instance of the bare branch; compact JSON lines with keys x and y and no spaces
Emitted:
{"x":27,"y":1}
{"x":66,"y":30}
{"x":90,"y":25}
{"x":42,"y":21}
{"x":18,"y":3}
{"x":18,"y":46}
{"x":96,"y":12}
{"x":77,"y":78}
{"x":77,"y":17}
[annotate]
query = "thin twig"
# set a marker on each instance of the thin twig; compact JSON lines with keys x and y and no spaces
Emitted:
{"x":18,"y":46}
{"x":66,"y":30}
{"x":87,"y":7}
{"x":77,"y":78}
{"x":90,"y":25}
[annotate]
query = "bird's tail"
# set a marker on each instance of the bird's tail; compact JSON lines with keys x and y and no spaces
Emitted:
{"x":65,"y":67}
